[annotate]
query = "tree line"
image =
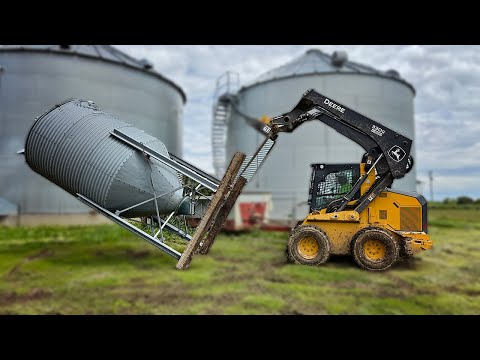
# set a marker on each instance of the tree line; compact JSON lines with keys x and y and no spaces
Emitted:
{"x":461,"y":200}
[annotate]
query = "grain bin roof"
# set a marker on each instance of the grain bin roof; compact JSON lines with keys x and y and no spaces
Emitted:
{"x":315,"y":61}
{"x":103,"y":52}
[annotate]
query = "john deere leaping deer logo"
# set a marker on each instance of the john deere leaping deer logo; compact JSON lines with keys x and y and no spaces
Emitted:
{"x":396,"y":153}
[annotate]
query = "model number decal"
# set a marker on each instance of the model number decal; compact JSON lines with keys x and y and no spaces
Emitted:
{"x":377,"y":130}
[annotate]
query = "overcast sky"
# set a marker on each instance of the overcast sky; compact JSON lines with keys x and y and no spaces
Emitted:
{"x":447,"y":104}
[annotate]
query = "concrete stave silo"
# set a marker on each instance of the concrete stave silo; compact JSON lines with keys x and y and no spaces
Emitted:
{"x":382,"y":96}
{"x":34,"y":77}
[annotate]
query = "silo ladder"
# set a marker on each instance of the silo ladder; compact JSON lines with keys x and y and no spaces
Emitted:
{"x":226,"y":86}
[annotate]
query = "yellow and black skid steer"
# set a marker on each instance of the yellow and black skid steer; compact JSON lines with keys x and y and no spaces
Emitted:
{"x":353,"y":211}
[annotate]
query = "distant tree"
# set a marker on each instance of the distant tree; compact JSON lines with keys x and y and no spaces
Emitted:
{"x":449,"y":201}
{"x":477,"y":201}
{"x":464,"y":200}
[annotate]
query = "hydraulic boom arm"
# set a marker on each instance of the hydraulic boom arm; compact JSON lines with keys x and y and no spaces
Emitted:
{"x":386,"y":150}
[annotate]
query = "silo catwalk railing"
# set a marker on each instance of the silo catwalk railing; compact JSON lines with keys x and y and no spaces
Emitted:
{"x":126,"y":174}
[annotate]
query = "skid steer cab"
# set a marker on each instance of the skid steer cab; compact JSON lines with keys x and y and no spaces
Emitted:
{"x":393,"y":225}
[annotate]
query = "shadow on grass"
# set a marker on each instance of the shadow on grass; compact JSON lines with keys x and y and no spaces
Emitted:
{"x":342,"y":260}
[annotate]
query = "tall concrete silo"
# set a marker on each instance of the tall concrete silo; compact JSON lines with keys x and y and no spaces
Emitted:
{"x":33,"y":78}
{"x":381,"y":95}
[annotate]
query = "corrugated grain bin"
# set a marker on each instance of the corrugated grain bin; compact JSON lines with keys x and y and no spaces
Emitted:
{"x":71,"y":146}
{"x":34,"y":77}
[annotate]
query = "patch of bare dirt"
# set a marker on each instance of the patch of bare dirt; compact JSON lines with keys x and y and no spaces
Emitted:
{"x":41,"y":254}
{"x":472,"y":292}
{"x":165,"y":295}
{"x":44,"y":253}
{"x":292,"y":312}
{"x":219,"y":301}
{"x":469,"y":292}
{"x":137,"y":280}
{"x":12,"y":297}
{"x":234,"y":276}
{"x":137,"y":254}
{"x":406,"y":288}
{"x":137,"y":283}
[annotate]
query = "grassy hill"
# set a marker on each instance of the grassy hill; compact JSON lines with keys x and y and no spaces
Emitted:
{"x":107,"y":270}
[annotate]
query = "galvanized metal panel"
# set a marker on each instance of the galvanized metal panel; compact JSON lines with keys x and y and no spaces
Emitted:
{"x":7,"y":208}
{"x":34,"y":80}
{"x":71,"y":146}
{"x":287,"y":171}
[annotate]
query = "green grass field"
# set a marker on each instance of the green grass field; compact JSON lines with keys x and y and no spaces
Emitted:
{"x":107,"y":270}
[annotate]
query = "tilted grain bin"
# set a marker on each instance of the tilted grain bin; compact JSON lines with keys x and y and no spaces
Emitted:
{"x":382,"y":96}
{"x":71,"y":145}
{"x":33,"y":77}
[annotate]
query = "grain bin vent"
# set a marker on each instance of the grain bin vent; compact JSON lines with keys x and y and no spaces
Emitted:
{"x":339,"y":58}
{"x":146,"y":64}
{"x":393,"y":73}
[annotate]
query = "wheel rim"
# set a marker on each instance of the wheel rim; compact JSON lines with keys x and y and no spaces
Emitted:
{"x":308,"y":247}
{"x":374,"y":249}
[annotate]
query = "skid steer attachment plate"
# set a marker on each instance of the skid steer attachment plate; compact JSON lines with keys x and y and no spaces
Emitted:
{"x":223,"y":196}
{"x":222,"y":214}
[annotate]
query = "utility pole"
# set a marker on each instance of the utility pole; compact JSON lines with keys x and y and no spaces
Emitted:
{"x":430,"y":176}
{"x":419,"y":186}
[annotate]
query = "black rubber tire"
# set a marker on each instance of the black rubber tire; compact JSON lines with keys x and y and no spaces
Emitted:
{"x":392,"y":249}
{"x":301,"y":232}
{"x":287,"y":255}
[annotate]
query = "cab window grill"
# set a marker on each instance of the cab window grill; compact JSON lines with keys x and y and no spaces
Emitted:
{"x":331,"y":182}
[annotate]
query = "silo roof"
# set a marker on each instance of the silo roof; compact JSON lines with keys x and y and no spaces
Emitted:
{"x":315,"y":61}
{"x":104,"y":52}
